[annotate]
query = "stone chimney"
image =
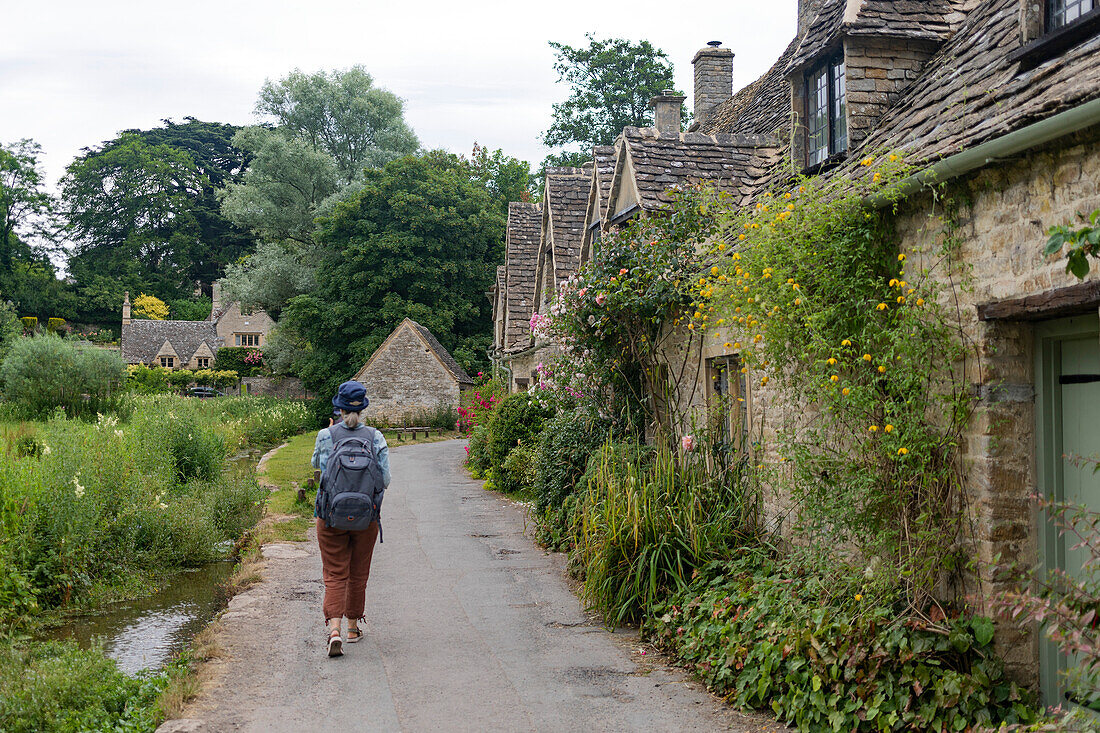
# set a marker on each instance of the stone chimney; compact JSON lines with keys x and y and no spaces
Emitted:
{"x":666,"y":117}
{"x":216,"y":297}
{"x":713,"y":78}
{"x":126,"y":308}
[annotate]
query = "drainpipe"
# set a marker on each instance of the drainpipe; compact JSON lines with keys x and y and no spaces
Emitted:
{"x":1052,"y":128}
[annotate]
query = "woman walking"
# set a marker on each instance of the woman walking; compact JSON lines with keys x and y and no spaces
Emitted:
{"x":350,"y":497}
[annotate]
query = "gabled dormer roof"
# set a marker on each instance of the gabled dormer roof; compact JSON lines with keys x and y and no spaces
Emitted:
{"x":520,"y":258}
{"x":565,"y":199}
{"x":650,"y":164}
{"x":599,"y":192}
{"x":918,"y":20}
{"x":761,"y":108}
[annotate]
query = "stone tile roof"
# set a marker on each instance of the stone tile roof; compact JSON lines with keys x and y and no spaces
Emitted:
{"x":521,"y":257}
{"x":970,"y":91}
{"x":142,"y":339}
{"x":603,"y":172}
{"x":732,"y":163}
{"x":761,"y":108}
{"x":928,"y":20}
{"x":442,"y":354}
{"x":566,"y":200}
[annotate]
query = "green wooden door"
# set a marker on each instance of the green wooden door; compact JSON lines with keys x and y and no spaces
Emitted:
{"x":1068,"y":408}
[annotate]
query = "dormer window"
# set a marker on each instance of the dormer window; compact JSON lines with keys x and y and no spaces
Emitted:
{"x":826,"y":118}
{"x":1061,"y":13}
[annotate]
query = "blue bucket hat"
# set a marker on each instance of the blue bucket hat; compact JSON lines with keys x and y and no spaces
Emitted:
{"x":351,"y":397}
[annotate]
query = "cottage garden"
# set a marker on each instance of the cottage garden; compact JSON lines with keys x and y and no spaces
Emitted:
{"x":109,"y":486}
{"x":858,"y":618}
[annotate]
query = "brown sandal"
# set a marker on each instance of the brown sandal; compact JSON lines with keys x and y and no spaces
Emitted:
{"x":354,"y":635}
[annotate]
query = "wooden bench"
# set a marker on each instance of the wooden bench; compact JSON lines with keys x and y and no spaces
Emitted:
{"x":402,"y":432}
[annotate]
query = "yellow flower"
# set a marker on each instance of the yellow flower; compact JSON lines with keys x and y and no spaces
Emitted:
{"x":845,"y":342}
{"x":756,"y":338}
{"x":721,"y":321}
{"x":763,"y":381}
{"x":744,"y":370}
{"x":795,"y":286}
{"x":790,"y":207}
{"x":798,"y":301}
{"x":737,"y":344}
{"x":790,"y":281}
{"x":893,"y":282}
{"x":859,"y":596}
{"x":893,"y":157}
{"x":903,"y":451}
{"x":691,"y":326}
{"x":726,"y":345}
{"x":787,"y":195}
{"x":902,"y":283}
{"x":741,"y":236}
{"x":714,"y":271}
{"x":830,"y":361}
{"x":845,"y":391}
{"x":867,"y":161}
{"x":834,"y":378}
{"x":875,"y":177}
{"x":873,"y":428}
{"x":889,"y":428}
{"x":881,"y":369}
{"x":901,"y":258}
{"x":920,"y":301}
{"x":745,"y":289}
{"x":697,"y":314}
{"x":722,"y":246}
{"x":901,"y":298}
{"x":881,"y":306}
{"x":867,"y":357}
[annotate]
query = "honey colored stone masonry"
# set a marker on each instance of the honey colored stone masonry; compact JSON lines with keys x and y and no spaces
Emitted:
{"x":405,"y":377}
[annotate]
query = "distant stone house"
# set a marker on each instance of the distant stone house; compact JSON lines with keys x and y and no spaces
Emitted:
{"x":409,"y":374}
{"x":191,"y":344}
{"x":514,"y":304}
{"x":1002,"y":99}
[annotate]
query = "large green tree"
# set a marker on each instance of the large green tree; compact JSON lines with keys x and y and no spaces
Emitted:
{"x":507,"y":179}
{"x":343,"y":114}
{"x":25,"y":204}
{"x":420,"y":239}
{"x":143,"y":213}
{"x":611,"y":82}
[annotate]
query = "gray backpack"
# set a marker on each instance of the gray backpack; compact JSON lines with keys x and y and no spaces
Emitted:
{"x":351,"y":487}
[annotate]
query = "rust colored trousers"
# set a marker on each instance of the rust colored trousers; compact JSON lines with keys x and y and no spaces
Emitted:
{"x":345,"y":566}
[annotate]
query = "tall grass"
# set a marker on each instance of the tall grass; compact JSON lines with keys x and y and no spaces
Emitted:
{"x":647,"y":519}
{"x":92,"y":511}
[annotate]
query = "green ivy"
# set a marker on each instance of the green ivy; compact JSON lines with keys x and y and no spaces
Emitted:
{"x":1083,"y":243}
{"x":823,"y":652}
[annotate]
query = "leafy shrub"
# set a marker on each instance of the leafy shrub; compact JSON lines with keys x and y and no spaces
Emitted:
{"x":30,"y":323}
{"x":644,"y":524}
{"x":55,"y":325}
{"x":150,"y":307}
{"x":823,"y":656}
{"x":476,"y":405}
{"x":234,"y":359}
{"x":196,"y":451}
{"x":178,"y":379}
{"x":44,"y":373}
{"x":56,"y":686}
{"x":519,"y":470}
{"x":144,"y":379}
{"x":190,"y":310}
{"x":565,"y":446}
{"x":477,"y":451}
{"x":516,"y":420}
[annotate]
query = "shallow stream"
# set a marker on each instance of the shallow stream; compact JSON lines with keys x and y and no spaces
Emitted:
{"x":145,"y":633}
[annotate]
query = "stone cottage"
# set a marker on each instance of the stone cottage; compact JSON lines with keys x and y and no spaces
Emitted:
{"x":1001,"y":100}
{"x":191,"y":344}
{"x":514,"y":304}
{"x":409,"y":374}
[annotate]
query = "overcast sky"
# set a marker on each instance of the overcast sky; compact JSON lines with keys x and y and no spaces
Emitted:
{"x":74,"y":73}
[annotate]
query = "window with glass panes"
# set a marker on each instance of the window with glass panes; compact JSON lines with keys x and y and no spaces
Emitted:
{"x":1064,"y":12}
{"x":826,"y":118}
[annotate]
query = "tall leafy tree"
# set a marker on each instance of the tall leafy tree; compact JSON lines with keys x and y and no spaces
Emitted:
{"x":506,"y":178}
{"x":342,"y":113}
{"x":611,"y":82}
{"x":420,"y":239}
{"x":26,"y":225}
{"x":143,"y":213}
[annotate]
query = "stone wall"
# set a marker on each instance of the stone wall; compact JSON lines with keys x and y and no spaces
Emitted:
{"x":234,"y":322}
{"x":524,"y":366}
{"x":403,"y":378}
{"x":286,"y":387}
{"x":875,"y":70}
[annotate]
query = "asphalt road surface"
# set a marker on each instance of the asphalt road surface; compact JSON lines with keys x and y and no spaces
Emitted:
{"x":470,"y":627}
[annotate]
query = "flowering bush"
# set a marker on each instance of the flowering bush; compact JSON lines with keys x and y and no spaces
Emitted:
{"x":478,"y":403}
{"x":611,"y":319}
{"x":254,"y":357}
{"x":809,"y":289}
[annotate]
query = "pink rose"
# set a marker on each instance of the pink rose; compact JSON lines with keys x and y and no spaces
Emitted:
{"x":687,"y":443}
{"x":601,"y":299}
{"x":581,"y":292}
{"x":623,"y":271}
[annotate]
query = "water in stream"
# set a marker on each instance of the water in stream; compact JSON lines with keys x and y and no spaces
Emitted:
{"x":145,"y":633}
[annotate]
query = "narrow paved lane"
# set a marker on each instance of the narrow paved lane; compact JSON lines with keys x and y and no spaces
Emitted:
{"x":470,"y":627}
